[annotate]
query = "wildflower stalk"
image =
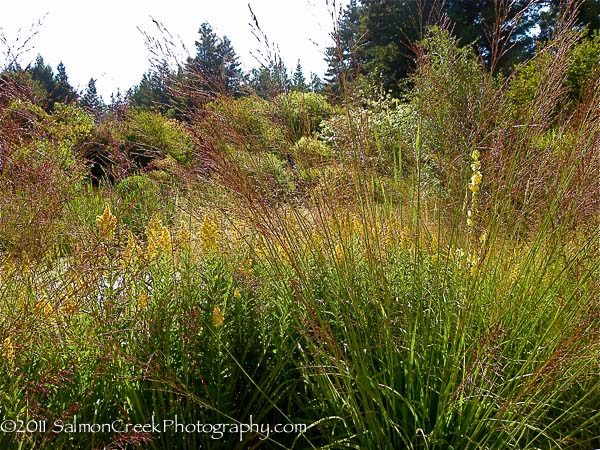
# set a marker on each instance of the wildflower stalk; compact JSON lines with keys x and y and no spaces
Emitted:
{"x":474,"y":187}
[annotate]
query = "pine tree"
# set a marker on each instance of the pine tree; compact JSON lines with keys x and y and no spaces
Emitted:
{"x":63,"y":92}
{"x":153,"y":89}
{"x":231,"y":71}
{"x":298,"y":79}
{"x":316,"y":85}
{"x":216,"y":66}
{"x":91,"y":101}
{"x":269,"y":81}
{"x":43,"y":75}
{"x":345,"y":58}
{"x":378,"y":36}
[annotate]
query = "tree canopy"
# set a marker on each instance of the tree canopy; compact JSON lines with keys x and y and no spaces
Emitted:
{"x":216,"y":65}
{"x":378,"y":36}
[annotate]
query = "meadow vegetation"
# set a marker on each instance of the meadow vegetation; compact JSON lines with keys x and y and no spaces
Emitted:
{"x":417,"y":272}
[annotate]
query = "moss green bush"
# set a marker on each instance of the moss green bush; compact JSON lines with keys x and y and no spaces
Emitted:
{"x":311,"y":150}
{"x":246,"y":123}
{"x":148,"y":136}
{"x":301,"y":113}
{"x":582,"y":68}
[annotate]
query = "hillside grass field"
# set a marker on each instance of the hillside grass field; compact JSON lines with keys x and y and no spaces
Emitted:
{"x":418,"y":272}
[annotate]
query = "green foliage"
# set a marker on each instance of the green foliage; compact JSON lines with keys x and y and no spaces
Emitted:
{"x":298,"y":79}
{"x":153,"y":90}
{"x":216,"y":66}
{"x":25,"y":116}
{"x":381,"y":134}
{"x":71,"y":123}
{"x":91,"y":101}
{"x":140,"y":195}
{"x":246,"y":122}
{"x":451,"y":94}
{"x":584,"y":67}
{"x":56,"y":88}
{"x":379,"y":36}
{"x":302,"y":113}
{"x":269,"y":175}
{"x":63,"y":91}
{"x":57,"y":136}
{"x":581,"y":70}
{"x":302,"y":269}
{"x":39,"y":175}
{"x":150,"y":136}
{"x":316,"y":84}
{"x":269,"y":81}
{"x":311,"y":150}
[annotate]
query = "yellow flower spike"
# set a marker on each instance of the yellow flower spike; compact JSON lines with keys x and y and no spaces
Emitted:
{"x":8,"y":349}
{"x":143,"y":300}
{"x":106,"y":223}
{"x":209,"y":234}
{"x":184,"y":236}
{"x":164,"y":241}
{"x":237,"y":293}
{"x":218,"y":318}
{"x":159,"y":239}
{"x":131,"y":252}
{"x":474,"y":188}
{"x":483,"y":238}
{"x":151,"y":250}
{"x":470,"y":221}
{"x":476,"y":178}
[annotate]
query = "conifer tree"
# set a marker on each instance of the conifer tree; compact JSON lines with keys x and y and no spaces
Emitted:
{"x":153,"y":89}
{"x":298,"y":79}
{"x":63,"y":92}
{"x":316,"y":85}
{"x":216,"y":66}
{"x":91,"y":101}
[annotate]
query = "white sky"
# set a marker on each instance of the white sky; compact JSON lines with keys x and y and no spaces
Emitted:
{"x":100,"y":39}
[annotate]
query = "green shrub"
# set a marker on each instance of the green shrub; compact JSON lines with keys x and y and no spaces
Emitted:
{"x":381,"y":135}
{"x":245,"y":123}
{"x":451,"y":95}
{"x":148,"y":136}
{"x":584,"y":68}
{"x":264,"y":172}
{"x":581,"y":66}
{"x":40,"y":174}
{"x":302,"y":113}
{"x":310,"y":150}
